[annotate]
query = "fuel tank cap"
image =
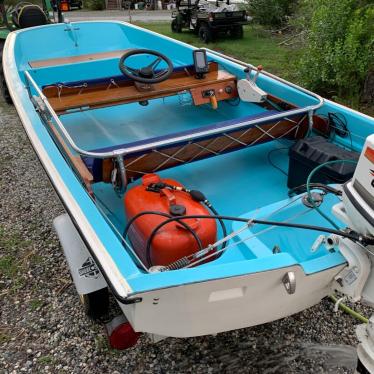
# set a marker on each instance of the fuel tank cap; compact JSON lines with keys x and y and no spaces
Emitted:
{"x":177,"y":210}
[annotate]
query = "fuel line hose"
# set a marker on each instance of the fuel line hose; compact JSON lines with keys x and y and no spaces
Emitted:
{"x":350,"y":235}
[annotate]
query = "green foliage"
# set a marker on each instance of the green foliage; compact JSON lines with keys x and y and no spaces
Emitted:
{"x":94,"y":4}
{"x":302,"y":17}
{"x":273,"y":13}
{"x":340,"y":48}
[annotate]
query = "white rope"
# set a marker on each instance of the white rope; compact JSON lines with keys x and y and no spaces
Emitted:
{"x":338,"y":302}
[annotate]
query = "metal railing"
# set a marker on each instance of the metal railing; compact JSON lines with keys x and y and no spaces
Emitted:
{"x":118,"y":153}
{"x":272,"y":76}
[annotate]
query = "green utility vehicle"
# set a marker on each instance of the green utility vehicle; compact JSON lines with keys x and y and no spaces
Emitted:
{"x":208,"y":19}
{"x":20,"y":16}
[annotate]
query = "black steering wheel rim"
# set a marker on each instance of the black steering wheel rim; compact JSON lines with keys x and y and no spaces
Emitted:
{"x":146,"y":74}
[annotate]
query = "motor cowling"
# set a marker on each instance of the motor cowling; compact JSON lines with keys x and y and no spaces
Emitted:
{"x":173,"y":241}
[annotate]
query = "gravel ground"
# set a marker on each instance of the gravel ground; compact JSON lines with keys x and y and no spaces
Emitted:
{"x":120,"y":15}
{"x":42,"y":325}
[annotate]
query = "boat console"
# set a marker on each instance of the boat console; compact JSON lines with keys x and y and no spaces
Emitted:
{"x":139,"y":85}
{"x":110,"y":91}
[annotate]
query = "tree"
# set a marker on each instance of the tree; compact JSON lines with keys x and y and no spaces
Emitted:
{"x":273,"y":13}
{"x":339,"y":51}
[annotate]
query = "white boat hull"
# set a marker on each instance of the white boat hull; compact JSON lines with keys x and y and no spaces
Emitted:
{"x":227,"y":304}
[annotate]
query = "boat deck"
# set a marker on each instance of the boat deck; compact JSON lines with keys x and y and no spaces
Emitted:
{"x":223,"y":181}
{"x":237,"y":193}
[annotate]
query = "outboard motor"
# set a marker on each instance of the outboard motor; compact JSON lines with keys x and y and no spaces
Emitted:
{"x":357,"y":280}
{"x":28,"y":15}
{"x":358,"y":193}
{"x":357,"y":211}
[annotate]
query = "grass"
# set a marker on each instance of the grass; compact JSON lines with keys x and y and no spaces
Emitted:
{"x":101,"y":343}
{"x":8,"y":258}
{"x":257,"y":47}
{"x":15,"y":257}
{"x":35,"y":304}
{"x":46,"y":360}
{"x":4,"y":335}
{"x":7,"y":266}
{"x":10,"y":242}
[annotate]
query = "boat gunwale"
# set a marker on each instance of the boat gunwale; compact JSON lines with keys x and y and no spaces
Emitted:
{"x":112,"y":274}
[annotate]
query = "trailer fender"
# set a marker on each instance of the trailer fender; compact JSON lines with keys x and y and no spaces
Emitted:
{"x":86,"y":275}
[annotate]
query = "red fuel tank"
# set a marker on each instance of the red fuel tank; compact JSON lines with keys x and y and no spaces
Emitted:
{"x":172,"y":241}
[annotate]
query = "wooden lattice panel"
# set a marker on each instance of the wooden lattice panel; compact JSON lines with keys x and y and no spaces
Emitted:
{"x":171,"y":156}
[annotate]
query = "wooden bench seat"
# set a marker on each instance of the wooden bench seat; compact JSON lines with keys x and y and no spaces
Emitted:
{"x":75,"y":59}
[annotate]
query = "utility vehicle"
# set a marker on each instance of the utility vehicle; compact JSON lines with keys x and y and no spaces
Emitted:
{"x":209,"y":20}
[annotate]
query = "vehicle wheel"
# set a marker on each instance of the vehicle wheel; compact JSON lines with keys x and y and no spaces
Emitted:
{"x":3,"y":86}
{"x":237,"y":32}
{"x":175,"y":26}
{"x":96,"y":304}
{"x":205,"y":34}
{"x":126,"y":5}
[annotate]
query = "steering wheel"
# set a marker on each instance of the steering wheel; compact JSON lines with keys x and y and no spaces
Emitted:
{"x":147,"y":74}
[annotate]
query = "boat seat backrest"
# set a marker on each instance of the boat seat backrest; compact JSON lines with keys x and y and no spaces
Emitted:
{"x":163,"y":152}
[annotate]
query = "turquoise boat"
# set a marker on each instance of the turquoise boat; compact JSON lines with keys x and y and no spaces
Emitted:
{"x":184,"y":175}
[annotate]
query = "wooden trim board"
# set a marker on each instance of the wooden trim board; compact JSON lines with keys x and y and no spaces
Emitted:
{"x":127,"y":92}
{"x":76,"y":161}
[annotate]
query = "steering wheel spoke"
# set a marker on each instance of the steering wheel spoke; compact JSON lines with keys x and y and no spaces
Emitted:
{"x":154,"y":64}
{"x":146,"y":74}
{"x":160,"y":73}
{"x":135,"y":71}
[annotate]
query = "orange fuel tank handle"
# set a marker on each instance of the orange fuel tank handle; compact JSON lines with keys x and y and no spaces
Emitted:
{"x":213,"y":101}
{"x":169,"y":195}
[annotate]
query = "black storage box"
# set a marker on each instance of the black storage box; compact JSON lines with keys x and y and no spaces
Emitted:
{"x":308,"y":153}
